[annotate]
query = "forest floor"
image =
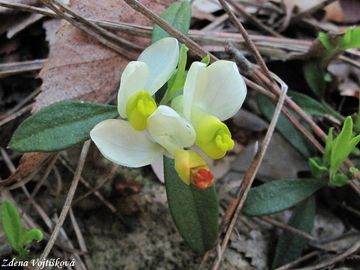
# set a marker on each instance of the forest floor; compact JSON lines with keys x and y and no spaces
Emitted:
{"x":119,"y":217}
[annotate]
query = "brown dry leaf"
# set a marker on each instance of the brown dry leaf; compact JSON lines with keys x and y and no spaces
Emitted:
{"x":81,"y":68}
{"x":334,"y":12}
{"x":28,"y":164}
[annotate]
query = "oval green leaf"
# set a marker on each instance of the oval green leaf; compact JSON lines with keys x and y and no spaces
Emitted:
{"x":308,"y":104}
{"x":194,"y":211}
{"x":60,"y":126}
{"x":314,"y":75}
{"x":279,"y":195}
{"x":284,"y":127}
{"x":290,"y":246}
{"x":10,"y":219}
{"x":177,"y":15}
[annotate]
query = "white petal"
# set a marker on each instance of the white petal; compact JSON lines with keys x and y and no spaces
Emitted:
{"x":169,"y":129}
{"x":133,"y":78}
{"x":162,"y":58}
{"x":158,"y":168}
{"x":194,"y":86}
{"x":225,"y":90}
{"x":121,"y":144}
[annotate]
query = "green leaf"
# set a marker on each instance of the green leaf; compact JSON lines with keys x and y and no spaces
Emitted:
{"x":178,"y":15}
{"x":60,"y":126}
{"x":314,"y":76}
{"x":341,"y":148}
{"x":31,"y":235}
{"x":284,"y":126}
{"x":351,"y":39}
{"x":317,"y":167}
{"x":290,"y":246}
{"x":194,"y":211}
{"x":328,"y":146}
{"x":279,"y":195}
{"x":325,"y":40}
{"x":310,"y":105}
{"x":338,"y":179}
{"x":206,"y":60}
{"x":11,"y":225}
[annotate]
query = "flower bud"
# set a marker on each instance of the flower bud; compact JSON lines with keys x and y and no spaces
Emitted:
{"x":192,"y":168}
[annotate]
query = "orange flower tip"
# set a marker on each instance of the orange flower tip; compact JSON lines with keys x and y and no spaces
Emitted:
{"x":202,"y":177}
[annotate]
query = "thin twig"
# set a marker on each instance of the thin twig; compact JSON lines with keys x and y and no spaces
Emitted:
{"x":250,"y":174}
{"x":94,"y":189}
{"x":214,"y":24}
{"x":246,"y":37}
{"x":81,"y":240}
{"x":68,"y":201}
{"x":193,"y":46}
{"x":266,"y":79}
{"x":288,"y":228}
{"x":45,"y":176}
{"x":16,"y":115}
{"x":108,"y":204}
{"x":40,"y":211}
{"x":354,"y":248}
{"x":299,"y":260}
{"x":238,"y":7}
{"x":20,"y":104}
{"x":10,"y":69}
{"x":102,"y":35}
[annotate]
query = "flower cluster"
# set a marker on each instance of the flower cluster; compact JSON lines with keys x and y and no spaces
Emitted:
{"x":146,"y":131}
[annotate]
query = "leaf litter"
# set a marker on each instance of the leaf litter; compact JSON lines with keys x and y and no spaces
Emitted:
{"x":75,"y":56}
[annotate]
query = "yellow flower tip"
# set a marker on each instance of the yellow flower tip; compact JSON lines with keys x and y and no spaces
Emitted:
{"x":202,"y":177}
{"x":192,"y":168}
{"x":138,"y":108}
{"x":213,"y":137}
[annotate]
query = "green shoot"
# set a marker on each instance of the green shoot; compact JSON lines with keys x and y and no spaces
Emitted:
{"x":337,"y":150}
{"x":17,"y":236}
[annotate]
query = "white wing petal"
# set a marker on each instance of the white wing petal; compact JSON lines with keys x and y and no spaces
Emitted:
{"x":194,"y":87}
{"x":162,"y":58}
{"x":133,"y":79}
{"x":121,"y":144}
{"x":225,"y":90}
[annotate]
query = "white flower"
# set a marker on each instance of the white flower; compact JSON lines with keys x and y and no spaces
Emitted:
{"x":218,"y":89}
{"x":166,"y":133}
{"x":212,"y":94}
{"x":142,"y":78}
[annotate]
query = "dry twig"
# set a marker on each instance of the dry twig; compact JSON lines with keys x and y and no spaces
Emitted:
{"x":102,"y":35}
{"x":10,"y":69}
{"x":288,"y":228}
{"x":68,"y":201}
{"x":354,"y":248}
{"x":250,"y":175}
